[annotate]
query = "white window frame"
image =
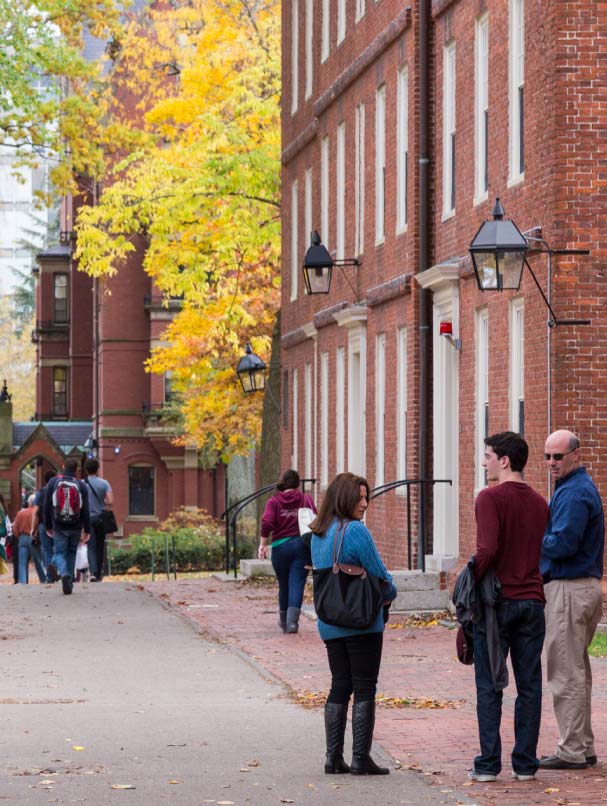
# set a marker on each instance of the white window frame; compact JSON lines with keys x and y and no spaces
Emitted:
{"x":357,"y":400}
{"x":295,"y":404}
{"x":402,"y":148}
{"x":307,"y":206}
{"x":294,"y":240}
{"x":341,"y":21}
{"x":380,"y":164}
{"x":294,"y":55}
{"x":324,"y":191}
{"x":325,"y":43}
{"x":309,"y":47}
{"x":449,"y":131}
{"x":324,"y":420}
{"x":481,"y":108}
{"x":340,"y":409}
{"x":402,"y":391}
{"x":359,"y":180}
{"x":360,"y":10}
{"x":308,"y":401}
{"x":380,"y":408}
{"x":482,"y":393}
{"x":516,"y":80}
{"x":517,"y":364}
{"x":340,"y":191}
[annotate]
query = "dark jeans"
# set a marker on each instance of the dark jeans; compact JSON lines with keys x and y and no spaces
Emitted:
{"x":289,"y":561}
{"x":96,"y":548}
{"x":354,"y":662}
{"x":522,"y":628}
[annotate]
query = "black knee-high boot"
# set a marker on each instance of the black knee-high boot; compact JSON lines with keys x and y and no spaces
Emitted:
{"x":363,"y":722}
{"x":336,"y":716}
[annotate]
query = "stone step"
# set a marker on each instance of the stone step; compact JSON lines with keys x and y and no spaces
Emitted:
{"x":420,"y":601}
{"x":415,"y":580}
{"x":256,"y":568}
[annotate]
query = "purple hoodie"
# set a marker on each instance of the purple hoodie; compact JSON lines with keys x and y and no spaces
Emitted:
{"x":280,"y":515}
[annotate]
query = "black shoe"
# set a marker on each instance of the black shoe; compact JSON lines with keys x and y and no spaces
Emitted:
{"x":67,"y":584}
{"x":591,"y":761}
{"x":336,"y":716}
{"x":363,"y":722}
{"x":556,"y":763}
{"x":51,"y":572}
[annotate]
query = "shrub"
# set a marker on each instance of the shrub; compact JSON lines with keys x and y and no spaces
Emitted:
{"x":199,"y":545}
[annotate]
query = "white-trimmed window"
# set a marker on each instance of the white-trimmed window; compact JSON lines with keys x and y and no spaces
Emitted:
{"x":380,"y":164}
{"x":482,"y":393}
{"x":360,"y":10}
{"x":401,"y":406}
{"x":295,"y":453}
{"x":402,"y":148}
{"x":380,"y":407}
{"x":307,"y":206}
{"x":359,"y":180}
{"x":294,"y":240}
{"x":309,"y":46}
{"x":324,"y":191}
{"x":357,"y":400}
{"x":340,"y":409}
{"x":325,"y":34}
{"x":448,"y":129}
{"x":517,"y":366}
{"x":142,"y":490}
{"x":481,"y":108}
{"x":294,"y":55}
{"x":308,"y":420}
{"x":341,"y":21}
{"x":340,"y":195}
{"x":516,"y":74}
{"x":324,"y":420}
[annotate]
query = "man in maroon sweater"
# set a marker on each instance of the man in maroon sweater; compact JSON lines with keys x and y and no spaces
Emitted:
{"x":511,"y":518}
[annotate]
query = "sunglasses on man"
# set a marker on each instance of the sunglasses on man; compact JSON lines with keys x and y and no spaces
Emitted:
{"x":557,"y":456}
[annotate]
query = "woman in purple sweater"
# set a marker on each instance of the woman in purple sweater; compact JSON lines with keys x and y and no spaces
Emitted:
{"x":289,"y":554}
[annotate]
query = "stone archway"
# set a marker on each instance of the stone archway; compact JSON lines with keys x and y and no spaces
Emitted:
{"x":31,"y":476}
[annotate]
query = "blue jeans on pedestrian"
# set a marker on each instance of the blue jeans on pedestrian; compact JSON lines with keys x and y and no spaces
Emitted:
{"x":26,"y":550}
{"x":522,"y":628}
{"x":47,"y":546}
{"x":289,"y":561}
{"x":66,"y":545}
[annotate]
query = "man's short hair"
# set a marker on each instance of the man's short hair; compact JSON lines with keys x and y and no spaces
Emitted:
{"x":49,"y":475}
{"x":512,"y":445}
{"x":92,"y":465}
{"x":71,"y":465}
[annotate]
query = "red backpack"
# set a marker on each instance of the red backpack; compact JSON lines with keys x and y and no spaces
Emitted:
{"x":67,"y":501}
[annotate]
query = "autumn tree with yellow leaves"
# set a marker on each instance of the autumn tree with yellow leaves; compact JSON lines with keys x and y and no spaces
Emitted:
{"x":203,"y":189}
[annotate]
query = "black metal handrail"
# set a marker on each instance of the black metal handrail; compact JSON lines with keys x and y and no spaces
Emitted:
{"x":421,"y":540}
{"x":235,"y":509}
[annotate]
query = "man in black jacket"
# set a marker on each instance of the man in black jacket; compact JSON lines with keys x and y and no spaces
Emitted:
{"x":67,"y":520}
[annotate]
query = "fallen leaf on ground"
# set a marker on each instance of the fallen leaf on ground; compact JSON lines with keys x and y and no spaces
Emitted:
{"x":175,"y":782}
{"x":551,"y":789}
{"x":418,"y":702}
{"x":122,"y":786}
{"x":244,"y":769}
{"x":253,"y":763}
{"x":78,"y":747}
{"x":286,"y":800}
{"x":225,"y":803}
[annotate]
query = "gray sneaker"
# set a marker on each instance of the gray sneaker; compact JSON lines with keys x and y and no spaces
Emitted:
{"x":481,"y":777}
{"x":523,"y":777}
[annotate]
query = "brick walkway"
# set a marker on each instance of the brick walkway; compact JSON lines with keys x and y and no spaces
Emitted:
{"x":419,"y":664}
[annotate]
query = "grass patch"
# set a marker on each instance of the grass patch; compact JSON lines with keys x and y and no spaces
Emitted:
{"x":598,"y":647}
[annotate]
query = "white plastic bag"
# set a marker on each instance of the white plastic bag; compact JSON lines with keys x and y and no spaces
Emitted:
{"x":305,"y":516}
{"x":82,"y":558}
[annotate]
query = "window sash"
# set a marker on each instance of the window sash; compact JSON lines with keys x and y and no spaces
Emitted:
{"x":60,"y":298}
{"x":60,"y":391}
{"x":449,"y":128}
{"x":142,"y":490}
{"x":324,"y":191}
{"x":294,"y":241}
{"x":340,"y":197}
{"x":402,"y":148}
{"x":359,"y":180}
{"x":380,"y":164}
{"x":294,"y":55}
{"x":481,"y":116}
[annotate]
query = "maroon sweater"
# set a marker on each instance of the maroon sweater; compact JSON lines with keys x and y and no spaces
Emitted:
{"x":510,"y":523}
{"x":280,"y":515}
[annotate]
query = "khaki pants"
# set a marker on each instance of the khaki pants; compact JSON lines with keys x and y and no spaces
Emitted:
{"x":573,"y":610}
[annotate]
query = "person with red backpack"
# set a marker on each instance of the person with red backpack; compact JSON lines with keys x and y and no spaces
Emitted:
{"x":67,"y":520}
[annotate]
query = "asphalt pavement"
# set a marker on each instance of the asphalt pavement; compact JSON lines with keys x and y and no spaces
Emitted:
{"x":109,"y":697}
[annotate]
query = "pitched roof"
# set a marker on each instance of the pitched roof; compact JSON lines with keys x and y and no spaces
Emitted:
{"x":68,"y":435}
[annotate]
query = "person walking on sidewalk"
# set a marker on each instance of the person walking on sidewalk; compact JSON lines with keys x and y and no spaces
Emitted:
{"x":354,"y":655}
{"x":100,"y":497}
{"x":510,"y":522}
{"x":39,"y":529}
{"x":572,"y":567}
{"x":27,"y":546}
{"x":290,"y":557}
{"x":67,"y":521}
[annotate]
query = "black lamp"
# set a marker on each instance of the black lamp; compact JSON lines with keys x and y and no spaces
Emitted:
{"x":251,"y":371}
{"x":498,"y":253}
{"x":318,"y":266}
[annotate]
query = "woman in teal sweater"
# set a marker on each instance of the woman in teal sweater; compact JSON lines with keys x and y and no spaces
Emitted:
{"x":354,"y":655}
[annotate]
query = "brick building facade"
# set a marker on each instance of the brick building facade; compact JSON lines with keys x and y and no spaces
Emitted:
{"x":400,"y":127}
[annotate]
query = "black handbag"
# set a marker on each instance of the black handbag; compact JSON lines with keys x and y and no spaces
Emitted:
{"x":346,"y":595}
{"x":107,"y":517}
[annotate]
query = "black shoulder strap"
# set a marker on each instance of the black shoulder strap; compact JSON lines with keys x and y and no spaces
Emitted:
{"x":94,"y":493}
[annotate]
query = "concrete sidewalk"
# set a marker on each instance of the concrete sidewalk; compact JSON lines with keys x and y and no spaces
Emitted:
{"x":426,"y":717}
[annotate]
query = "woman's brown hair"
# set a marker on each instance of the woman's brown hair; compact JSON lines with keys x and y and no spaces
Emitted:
{"x":340,"y":501}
